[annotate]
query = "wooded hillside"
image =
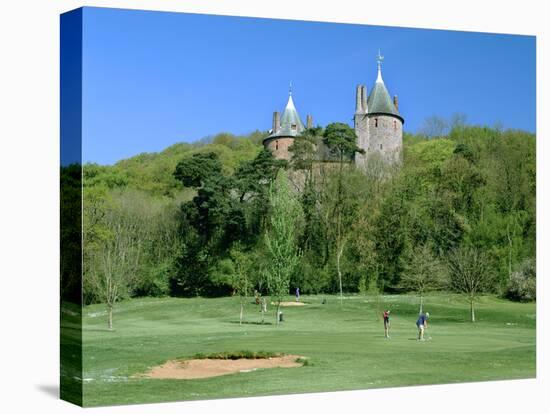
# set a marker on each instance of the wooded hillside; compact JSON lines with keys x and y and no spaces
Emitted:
{"x":186,"y":220}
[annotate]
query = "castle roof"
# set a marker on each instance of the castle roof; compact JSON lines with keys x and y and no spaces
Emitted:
{"x":290,"y":117}
{"x":291,"y":124}
{"x":379,"y":101}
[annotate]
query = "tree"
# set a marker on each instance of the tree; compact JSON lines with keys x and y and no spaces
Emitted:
{"x":342,"y":141}
{"x":522,"y":285}
{"x":281,"y":237}
{"x":461,"y":179}
{"x":470,"y":273}
{"x":391,"y":237}
{"x":305,"y":157}
{"x":252,"y":182}
{"x":225,"y":210}
{"x":195,"y":170}
{"x":434,"y":126}
{"x":117,"y":258}
{"x":241,"y":281}
{"x":458,"y":121}
{"x":304,"y":150}
{"x":423,"y":273}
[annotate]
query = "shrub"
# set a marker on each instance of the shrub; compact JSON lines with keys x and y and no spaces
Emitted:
{"x":238,"y":355}
{"x":522,"y":285}
{"x":155,"y":281}
{"x":306,"y":362}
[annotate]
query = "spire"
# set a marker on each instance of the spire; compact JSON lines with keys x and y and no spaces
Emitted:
{"x":290,"y":123}
{"x":290,"y":104}
{"x":379,"y":101}
{"x":379,"y":59}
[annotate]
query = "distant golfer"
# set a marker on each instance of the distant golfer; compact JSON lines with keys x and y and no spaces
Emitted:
{"x":422,"y":324}
{"x":297,"y":294}
{"x":386,"y":316}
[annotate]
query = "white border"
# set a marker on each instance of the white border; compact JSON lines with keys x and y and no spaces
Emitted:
{"x":29,"y":134}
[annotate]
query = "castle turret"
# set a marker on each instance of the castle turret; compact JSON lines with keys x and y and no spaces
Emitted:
{"x":384,"y":133}
{"x":282,"y":138}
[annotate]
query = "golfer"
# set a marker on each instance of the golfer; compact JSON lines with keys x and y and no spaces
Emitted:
{"x":386,"y":316}
{"x":297,"y":294}
{"x":422,"y":324}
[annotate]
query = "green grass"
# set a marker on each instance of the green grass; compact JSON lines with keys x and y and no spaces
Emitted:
{"x":344,"y":346}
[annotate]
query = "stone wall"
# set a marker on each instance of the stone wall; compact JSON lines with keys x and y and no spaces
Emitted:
{"x":362,"y":131}
{"x":385,"y":137}
{"x":279,"y":147}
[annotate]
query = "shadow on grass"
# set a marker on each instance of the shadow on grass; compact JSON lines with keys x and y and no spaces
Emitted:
{"x":251,"y":323}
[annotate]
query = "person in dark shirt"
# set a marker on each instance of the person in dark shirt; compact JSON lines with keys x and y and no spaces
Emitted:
{"x":422,"y":324}
{"x":386,"y":316}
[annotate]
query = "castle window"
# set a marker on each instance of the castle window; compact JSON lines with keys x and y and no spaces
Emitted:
{"x":276,"y":145}
{"x":376,"y":122}
{"x":394,"y":124}
{"x":380,"y":146}
{"x":293,"y":127}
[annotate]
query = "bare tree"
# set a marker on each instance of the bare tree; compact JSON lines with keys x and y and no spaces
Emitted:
{"x":458,"y":120}
{"x":423,"y":273}
{"x":470,"y":273}
{"x":241,"y":282}
{"x":434,"y":127}
{"x":114,"y":262}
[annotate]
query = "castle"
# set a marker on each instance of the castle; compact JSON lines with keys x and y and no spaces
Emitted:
{"x":377,"y":123}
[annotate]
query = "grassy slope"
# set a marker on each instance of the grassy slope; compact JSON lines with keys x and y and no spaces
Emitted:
{"x":345,"y":345}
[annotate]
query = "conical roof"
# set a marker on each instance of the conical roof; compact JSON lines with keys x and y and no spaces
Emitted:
{"x":379,"y":101}
{"x":290,"y":117}
{"x":291,"y":124}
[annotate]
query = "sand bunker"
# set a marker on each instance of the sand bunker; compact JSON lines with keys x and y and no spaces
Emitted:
{"x":203,"y":368}
{"x":284,"y":304}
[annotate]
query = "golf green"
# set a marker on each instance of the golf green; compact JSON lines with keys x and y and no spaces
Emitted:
{"x":344,"y":344}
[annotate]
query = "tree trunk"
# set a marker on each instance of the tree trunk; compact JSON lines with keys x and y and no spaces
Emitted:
{"x":421,"y":303}
{"x":509,"y":253}
{"x":338,"y":256}
{"x":472,"y":309}
{"x":277,"y":313}
{"x":110,"y":317}
{"x":241,"y":317}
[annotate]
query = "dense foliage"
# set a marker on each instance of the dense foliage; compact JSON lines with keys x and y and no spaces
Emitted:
{"x":194,"y":213}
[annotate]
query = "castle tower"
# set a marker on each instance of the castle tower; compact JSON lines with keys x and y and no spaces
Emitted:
{"x":379,"y":128}
{"x":284,"y":129}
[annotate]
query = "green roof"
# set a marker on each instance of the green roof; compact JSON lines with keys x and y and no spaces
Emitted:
{"x":289,"y":119}
{"x":380,"y":102}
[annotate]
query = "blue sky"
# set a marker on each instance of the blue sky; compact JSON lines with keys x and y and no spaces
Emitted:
{"x":151,"y":79}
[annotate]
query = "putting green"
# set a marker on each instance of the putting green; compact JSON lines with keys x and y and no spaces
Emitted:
{"x":345,"y":345}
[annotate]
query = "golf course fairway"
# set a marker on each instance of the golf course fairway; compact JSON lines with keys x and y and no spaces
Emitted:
{"x":344,"y":345}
